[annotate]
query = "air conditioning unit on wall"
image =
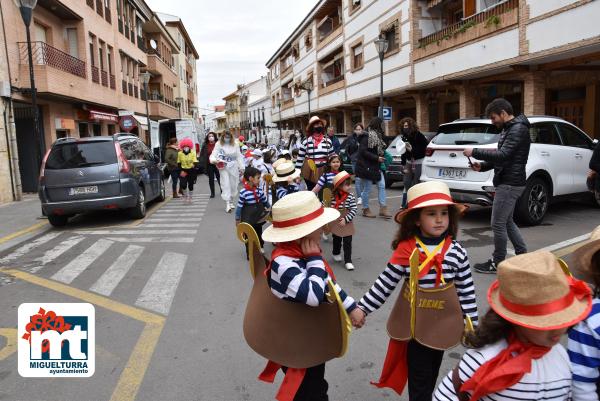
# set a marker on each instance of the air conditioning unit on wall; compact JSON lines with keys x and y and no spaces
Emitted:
{"x":4,"y":89}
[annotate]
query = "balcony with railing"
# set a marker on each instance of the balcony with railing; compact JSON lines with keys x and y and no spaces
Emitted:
{"x":329,"y":24}
{"x":113,"y":83}
{"x":484,"y":23}
{"x":104,"y":76}
{"x":160,"y":106}
{"x":95,"y":74}
{"x":46,"y":55}
{"x":157,"y":66}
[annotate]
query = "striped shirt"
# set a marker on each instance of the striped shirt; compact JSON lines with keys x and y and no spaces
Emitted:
{"x":584,"y":352}
{"x":285,"y":190}
{"x":455,"y":268}
{"x":326,"y":179}
{"x":304,"y":281}
{"x":350,"y":205}
{"x":548,"y":380}
{"x":247,"y":198}
{"x":319,"y":154}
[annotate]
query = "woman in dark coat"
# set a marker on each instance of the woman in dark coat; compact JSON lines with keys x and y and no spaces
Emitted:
{"x":209,"y":169}
{"x":371,"y":150}
{"x":412,"y":160}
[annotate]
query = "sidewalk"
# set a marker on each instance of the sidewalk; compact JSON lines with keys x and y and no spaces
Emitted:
{"x":20,"y":221}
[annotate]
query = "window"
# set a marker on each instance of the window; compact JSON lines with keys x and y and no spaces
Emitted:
{"x":308,"y":41}
{"x":357,"y":56}
{"x":354,"y":5}
{"x":92,"y":52}
{"x":97,"y":129}
{"x":296,"y":51}
{"x":573,"y":137}
{"x":390,"y":30}
{"x":101,"y":55}
{"x":333,"y":70}
{"x":109,"y":59}
{"x":73,"y":42}
{"x":544,"y":133}
{"x":329,"y":24}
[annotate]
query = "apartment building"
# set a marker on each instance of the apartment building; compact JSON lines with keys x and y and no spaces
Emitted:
{"x":185,"y":65}
{"x":445,"y":59}
{"x":211,"y":119}
{"x":232,"y":112}
{"x":87,"y":60}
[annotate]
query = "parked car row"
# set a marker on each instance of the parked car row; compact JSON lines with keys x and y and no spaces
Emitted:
{"x":99,"y":173}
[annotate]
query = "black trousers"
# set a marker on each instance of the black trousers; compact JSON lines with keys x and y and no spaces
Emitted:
{"x":188,"y":180}
{"x":423,"y":370}
{"x":259,"y":229}
{"x":213,"y":172}
{"x":314,"y":386}
{"x":337,"y":247}
{"x":175,"y":178}
{"x":310,"y":185}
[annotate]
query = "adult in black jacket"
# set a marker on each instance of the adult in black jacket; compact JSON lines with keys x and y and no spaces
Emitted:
{"x":371,"y":150}
{"x":594,"y":174}
{"x":508,"y":162}
{"x":412,"y":159}
{"x":208,"y":168}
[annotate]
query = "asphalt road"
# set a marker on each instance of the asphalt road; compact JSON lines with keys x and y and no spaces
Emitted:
{"x":170,"y":294}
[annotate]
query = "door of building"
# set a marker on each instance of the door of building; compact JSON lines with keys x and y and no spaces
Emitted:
{"x":29,"y":159}
{"x":570,"y":110}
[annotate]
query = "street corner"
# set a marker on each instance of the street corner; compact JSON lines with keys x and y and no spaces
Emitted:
{"x":125,"y":341}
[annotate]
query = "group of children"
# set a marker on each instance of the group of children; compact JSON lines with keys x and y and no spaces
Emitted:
{"x":514,"y":351}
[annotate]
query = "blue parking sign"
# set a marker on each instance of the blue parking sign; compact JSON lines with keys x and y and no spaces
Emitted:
{"x":387,"y":114}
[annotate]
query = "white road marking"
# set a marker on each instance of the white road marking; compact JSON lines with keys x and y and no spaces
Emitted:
{"x":25,"y":249}
{"x":169,"y":211}
{"x":566,"y":243}
{"x":190,"y":219}
{"x":166,"y":225}
{"x":53,"y":253}
{"x":115,"y":273}
{"x":191,"y":215}
{"x":186,"y":240}
{"x":137,"y":232}
{"x":70,"y":272}
{"x":160,"y":289}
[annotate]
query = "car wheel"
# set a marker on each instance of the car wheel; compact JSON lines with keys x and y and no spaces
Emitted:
{"x":163,"y":192}
{"x":139,"y":211}
{"x":596,"y":198}
{"x":533,"y":204}
{"x":58,"y":221}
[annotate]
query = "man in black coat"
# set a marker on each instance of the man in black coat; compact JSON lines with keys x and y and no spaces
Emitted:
{"x":508,"y":162}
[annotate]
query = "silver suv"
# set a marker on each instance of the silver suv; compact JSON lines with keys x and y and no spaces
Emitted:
{"x":99,"y":173}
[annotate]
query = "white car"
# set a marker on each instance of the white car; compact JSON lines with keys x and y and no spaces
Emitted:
{"x":557,"y":167}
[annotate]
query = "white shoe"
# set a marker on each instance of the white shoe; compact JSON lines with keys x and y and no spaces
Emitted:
{"x":227,"y":207}
{"x":325,"y":237}
{"x":337,"y":258}
{"x":359,"y":201}
{"x":349,"y":266}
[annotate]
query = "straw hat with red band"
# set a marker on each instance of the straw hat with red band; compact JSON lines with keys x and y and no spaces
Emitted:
{"x":533,"y":291}
{"x":296,"y":216}
{"x":426,"y":194}
{"x":583,"y":258}
{"x":340,"y":178}
{"x":313,"y":120}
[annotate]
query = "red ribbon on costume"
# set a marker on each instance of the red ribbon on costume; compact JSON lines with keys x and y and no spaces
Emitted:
{"x":317,"y":139}
{"x":504,"y":369}
{"x":339,"y":200}
{"x":433,"y":196}
{"x":395,"y":368}
{"x":577,"y":289}
{"x":401,"y":256}
{"x":292,"y":249}
{"x":299,"y":220}
{"x":253,"y":189}
{"x":291,"y":382}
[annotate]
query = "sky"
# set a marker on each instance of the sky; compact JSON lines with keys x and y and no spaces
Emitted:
{"x":234,"y":38}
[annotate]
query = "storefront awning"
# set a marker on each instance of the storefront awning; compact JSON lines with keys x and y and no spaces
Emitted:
{"x":142,"y":121}
{"x":104,"y":116}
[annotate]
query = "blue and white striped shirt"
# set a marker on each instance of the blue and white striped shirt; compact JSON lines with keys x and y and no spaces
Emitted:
{"x":319,"y":154}
{"x":284,"y":190}
{"x":350,"y":205}
{"x":584,"y":353}
{"x":304,"y":281}
{"x":247,"y":198}
{"x":326,"y":178}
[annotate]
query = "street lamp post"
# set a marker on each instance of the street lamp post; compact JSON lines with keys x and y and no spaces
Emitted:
{"x":145,"y":77}
{"x":179,"y":101}
{"x":26,"y":7}
{"x":382,"y":45}
{"x":308,"y":87}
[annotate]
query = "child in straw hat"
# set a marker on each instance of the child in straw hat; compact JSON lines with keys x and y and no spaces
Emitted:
{"x":584,"y":339}
{"x":298,"y":271}
{"x":342,"y":229}
{"x":430,"y":225}
{"x":515,"y":352}
{"x":286,"y":179}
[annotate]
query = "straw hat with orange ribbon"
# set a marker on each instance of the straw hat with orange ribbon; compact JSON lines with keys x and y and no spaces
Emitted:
{"x":430,"y":193}
{"x":587,"y":264}
{"x":296,"y":216}
{"x":340,"y":178}
{"x":533,"y":291}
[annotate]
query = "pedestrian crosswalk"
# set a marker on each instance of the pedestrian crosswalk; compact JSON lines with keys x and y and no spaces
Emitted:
{"x":111,"y":261}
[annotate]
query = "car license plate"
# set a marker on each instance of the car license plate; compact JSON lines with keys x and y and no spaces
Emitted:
{"x":83,"y":190}
{"x":452,"y":173}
